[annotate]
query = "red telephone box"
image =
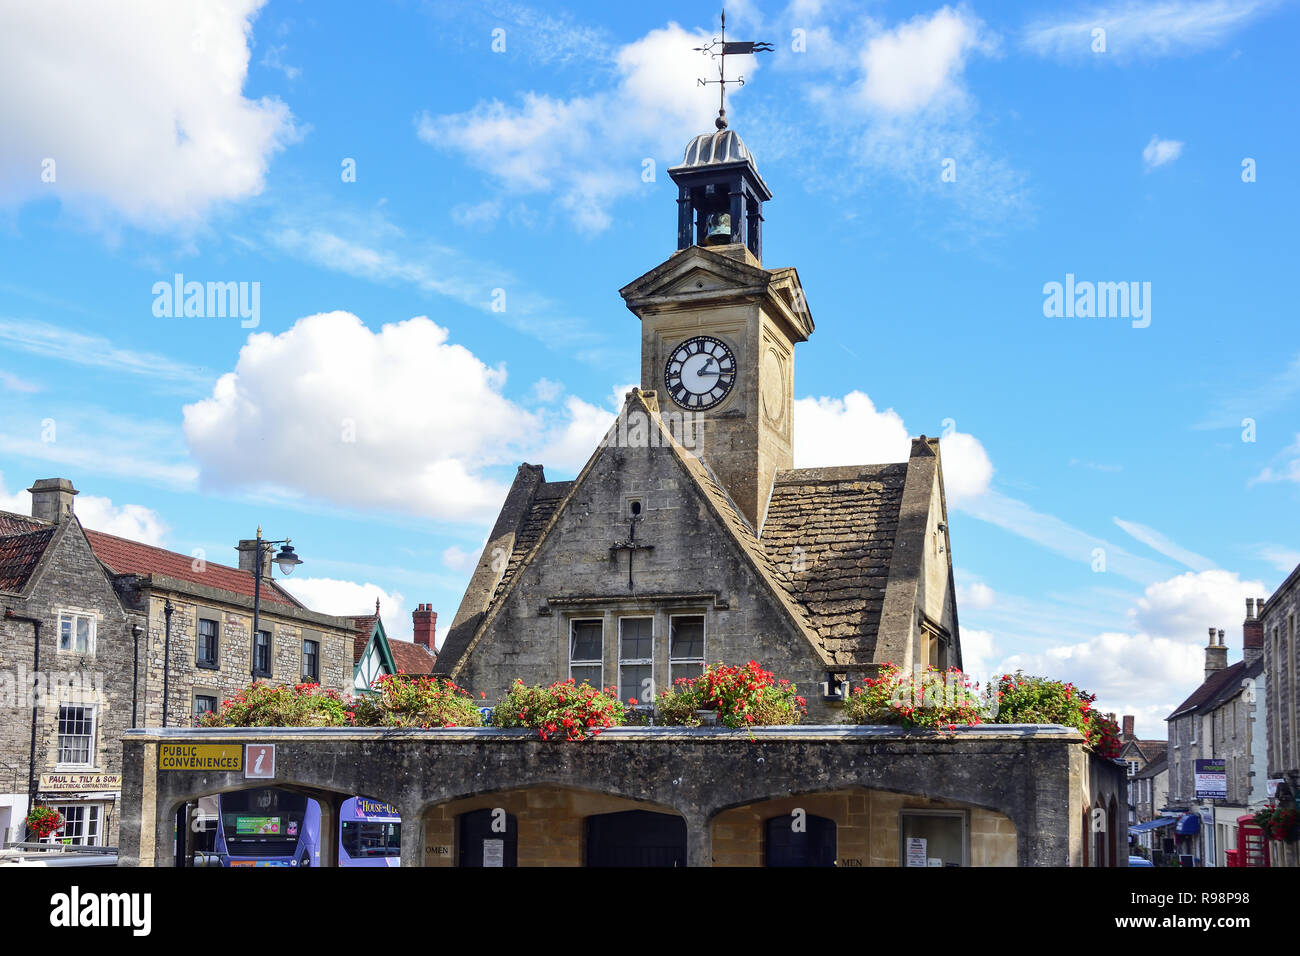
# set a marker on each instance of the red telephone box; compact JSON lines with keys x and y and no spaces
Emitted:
{"x":1252,"y":845}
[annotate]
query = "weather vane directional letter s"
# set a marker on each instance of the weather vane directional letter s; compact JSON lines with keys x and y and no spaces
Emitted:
{"x":718,"y":48}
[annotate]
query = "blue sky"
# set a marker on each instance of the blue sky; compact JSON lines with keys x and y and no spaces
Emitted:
{"x":379,"y":407}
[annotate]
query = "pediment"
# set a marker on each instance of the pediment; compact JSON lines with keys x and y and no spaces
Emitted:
{"x":696,"y":270}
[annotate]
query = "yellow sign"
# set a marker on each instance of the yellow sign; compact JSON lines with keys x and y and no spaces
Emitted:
{"x":200,"y":757}
{"x":80,"y":782}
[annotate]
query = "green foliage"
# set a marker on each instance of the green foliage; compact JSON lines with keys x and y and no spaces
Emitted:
{"x":934,"y":698}
{"x":280,"y":705}
{"x":415,"y":702}
{"x":576,"y":711}
{"x":1037,"y":700}
{"x":745,"y":696}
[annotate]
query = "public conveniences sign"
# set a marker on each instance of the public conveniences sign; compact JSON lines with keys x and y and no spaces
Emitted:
{"x":200,"y":757}
{"x":1212,"y":779}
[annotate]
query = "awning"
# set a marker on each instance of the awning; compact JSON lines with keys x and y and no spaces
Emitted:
{"x":1152,"y":825}
{"x":1189,"y":824}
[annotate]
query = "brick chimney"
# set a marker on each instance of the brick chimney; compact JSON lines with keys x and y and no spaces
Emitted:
{"x":1216,"y":655}
{"x":1252,"y":634}
{"x":425,"y":621}
{"x":1128,"y":734}
{"x":52,"y":499}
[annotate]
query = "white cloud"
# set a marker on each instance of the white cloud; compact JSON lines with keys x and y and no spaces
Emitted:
{"x":400,"y":419}
{"x":1145,"y":29}
{"x":1158,"y":542}
{"x":1160,"y":152}
{"x":919,"y":63}
{"x":139,"y":106}
{"x":458,"y":559}
{"x":1183,"y":608}
{"x":99,"y":514}
{"x":976,"y":595}
{"x":94,"y":351}
{"x":847,"y":431}
{"x":588,"y":150}
{"x":350,"y":599}
{"x":1288,"y":471}
{"x":1284,"y":559}
{"x":978,"y":652}
{"x":851,"y":431}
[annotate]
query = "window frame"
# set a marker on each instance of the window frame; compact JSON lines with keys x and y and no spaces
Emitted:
{"x":704,"y":643}
{"x":214,"y":663}
{"x":270,"y":654}
{"x":194,"y":699}
{"x":73,"y":617}
{"x":91,"y":716}
{"x":963,"y":815}
{"x":314,"y":676}
{"x":637,"y":661}
{"x":92,"y":825}
{"x":573,"y":622}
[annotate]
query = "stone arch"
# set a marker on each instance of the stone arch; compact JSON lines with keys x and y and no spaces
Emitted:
{"x":867,"y":820}
{"x":549,"y":817}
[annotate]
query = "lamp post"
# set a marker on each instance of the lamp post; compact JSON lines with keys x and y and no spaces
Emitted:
{"x":287,"y":560}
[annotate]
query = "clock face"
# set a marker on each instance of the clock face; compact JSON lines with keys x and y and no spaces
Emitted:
{"x":700,"y":372}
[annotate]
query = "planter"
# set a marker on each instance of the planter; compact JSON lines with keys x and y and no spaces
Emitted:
{"x":708,"y":718}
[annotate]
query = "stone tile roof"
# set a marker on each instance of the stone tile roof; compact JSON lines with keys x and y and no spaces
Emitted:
{"x":1152,"y":750}
{"x":833,"y":531}
{"x":123,"y":556}
{"x":21,"y":550}
{"x":1154,"y":768}
{"x":12,"y":523}
{"x":546,"y":500}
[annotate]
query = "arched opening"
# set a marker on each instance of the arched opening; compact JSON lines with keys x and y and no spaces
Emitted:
{"x":488,"y":838}
{"x":541,"y":825}
{"x":636,"y":838}
{"x":285,"y":826}
{"x":1112,"y":832}
{"x":799,"y":839}
{"x":861,"y":827}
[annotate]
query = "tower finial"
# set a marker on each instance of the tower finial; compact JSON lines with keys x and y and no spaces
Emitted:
{"x":718,"y":48}
{"x":376,"y":607}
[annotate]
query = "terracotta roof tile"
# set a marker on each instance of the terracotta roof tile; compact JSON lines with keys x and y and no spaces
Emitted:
{"x":19,"y":555}
{"x":365,"y":626}
{"x":411,"y":657}
{"x":123,"y":556}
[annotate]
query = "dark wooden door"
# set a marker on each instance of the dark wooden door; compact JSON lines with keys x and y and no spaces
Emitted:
{"x":813,"y":846}
{"x":636,"y":838}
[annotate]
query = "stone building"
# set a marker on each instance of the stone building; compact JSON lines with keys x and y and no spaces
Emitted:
{"x":1277,"y":625}
{"x":109,"y":609}
{"x":689,"y":536}
{"x":1137,"y":755}
{"x":1148,"y":795}
{"x":1218,"y":721}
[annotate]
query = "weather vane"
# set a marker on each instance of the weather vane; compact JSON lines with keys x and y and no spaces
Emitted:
{"x":718,"y":48}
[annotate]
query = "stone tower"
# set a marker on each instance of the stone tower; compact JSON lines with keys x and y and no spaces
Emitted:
{"x":718,"y":330}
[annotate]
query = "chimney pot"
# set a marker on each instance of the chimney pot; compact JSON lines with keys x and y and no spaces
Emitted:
{"x":424,"y":623}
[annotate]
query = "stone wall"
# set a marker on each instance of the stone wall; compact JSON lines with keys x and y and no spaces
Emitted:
{"x":1026,"y":788}
{"x":70,"y":580}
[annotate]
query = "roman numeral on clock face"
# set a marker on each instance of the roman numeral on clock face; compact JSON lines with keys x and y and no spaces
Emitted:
{"x":700,"y":372}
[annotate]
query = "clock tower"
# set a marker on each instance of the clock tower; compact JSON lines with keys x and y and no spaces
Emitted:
{"x":718,"y":330}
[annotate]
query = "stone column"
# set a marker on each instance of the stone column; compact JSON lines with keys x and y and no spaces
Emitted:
{"x":330,"y":806}
{"x":699,"y":840}
{"x":412,"y":814}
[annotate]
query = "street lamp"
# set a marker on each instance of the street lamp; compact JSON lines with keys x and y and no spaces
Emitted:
{"x":287,"y":560}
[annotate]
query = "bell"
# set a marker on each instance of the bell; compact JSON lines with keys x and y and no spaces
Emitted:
{"x":719,"y":229}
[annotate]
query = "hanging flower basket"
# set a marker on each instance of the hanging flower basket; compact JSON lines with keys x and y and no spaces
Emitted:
{"x":43,"y":822}
{"x":1279,"y":823}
